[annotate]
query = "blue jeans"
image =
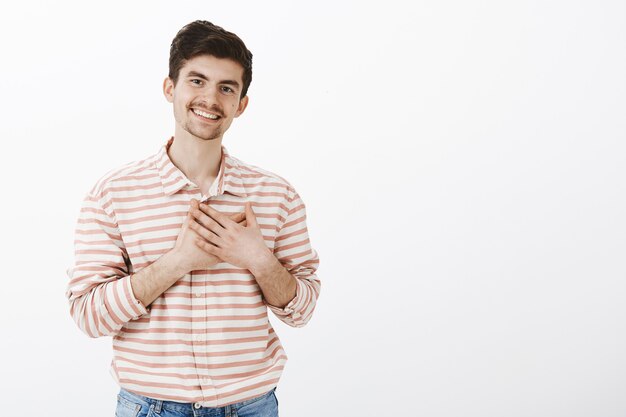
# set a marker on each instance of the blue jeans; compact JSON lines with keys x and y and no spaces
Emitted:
{"x":133,"y":405}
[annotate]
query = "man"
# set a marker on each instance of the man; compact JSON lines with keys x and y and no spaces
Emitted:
{"x":179,"y":255}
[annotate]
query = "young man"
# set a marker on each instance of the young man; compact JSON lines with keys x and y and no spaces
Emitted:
{"x":179,"y":255}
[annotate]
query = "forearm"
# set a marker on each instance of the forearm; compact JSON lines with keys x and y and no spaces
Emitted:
{"x":277,"y":284}
{"x":153,"y":280}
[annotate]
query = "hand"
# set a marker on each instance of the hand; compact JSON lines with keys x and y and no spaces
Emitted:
{"x":188,"y":254}
{"x":241,"y":245}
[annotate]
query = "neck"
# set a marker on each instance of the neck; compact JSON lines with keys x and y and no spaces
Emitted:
{"x":198,"y":159}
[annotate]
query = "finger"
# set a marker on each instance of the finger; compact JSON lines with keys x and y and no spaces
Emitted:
{"x":204,"y":233}
{"x":207,"y":247}
{"x":219,"y":217}
{"x":206,"y":221}
{"x":250,"y":215}
{"x":240,"y":218}
{"x":237,"y":217}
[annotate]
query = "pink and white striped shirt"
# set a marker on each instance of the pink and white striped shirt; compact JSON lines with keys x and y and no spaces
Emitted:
{"x":206,"y":339}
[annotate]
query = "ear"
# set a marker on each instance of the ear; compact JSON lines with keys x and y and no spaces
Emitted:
{"x":243,"y":103}
{"x":168,"y":89}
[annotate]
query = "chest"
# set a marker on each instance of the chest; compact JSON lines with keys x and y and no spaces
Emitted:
{"x":149,"y":226}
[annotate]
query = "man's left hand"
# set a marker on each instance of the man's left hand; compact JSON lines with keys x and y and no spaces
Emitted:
{"x":242,"y":246}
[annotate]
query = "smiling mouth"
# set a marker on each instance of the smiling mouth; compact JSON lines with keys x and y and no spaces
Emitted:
{"x":205,"y":115}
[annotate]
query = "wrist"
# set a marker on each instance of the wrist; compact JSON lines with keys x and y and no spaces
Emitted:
{"x":173,"y":261}
{"x":264,"y":265}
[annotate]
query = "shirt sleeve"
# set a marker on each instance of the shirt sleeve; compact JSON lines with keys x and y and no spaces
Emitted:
{"x":99,"y":291}
{"x":293,"y":250}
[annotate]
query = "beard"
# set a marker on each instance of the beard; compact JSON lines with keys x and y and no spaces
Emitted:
{"x":203,"y":133}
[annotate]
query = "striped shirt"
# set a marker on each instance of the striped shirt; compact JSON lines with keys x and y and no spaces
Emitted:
{"x":206,"y":339}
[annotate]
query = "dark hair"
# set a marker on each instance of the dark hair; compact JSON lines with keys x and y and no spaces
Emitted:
{"x":205,"y":38}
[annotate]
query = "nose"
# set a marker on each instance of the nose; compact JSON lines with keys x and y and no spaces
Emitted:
{"x":209,"y":95}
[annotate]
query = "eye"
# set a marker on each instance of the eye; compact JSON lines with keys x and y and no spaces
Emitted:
{"x":227,"y":90}
{"x":196,"y":81}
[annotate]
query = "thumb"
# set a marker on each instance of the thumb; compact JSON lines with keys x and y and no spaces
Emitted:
{"x":250,"y":217}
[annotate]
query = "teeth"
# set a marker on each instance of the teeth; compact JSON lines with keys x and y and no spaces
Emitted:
{"x":207,"y":115}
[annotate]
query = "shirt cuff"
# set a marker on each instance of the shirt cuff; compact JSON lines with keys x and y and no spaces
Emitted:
{"x":134,"y":307}
{"x":296,"y":304}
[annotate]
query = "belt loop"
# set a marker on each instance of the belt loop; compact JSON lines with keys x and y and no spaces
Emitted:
{"x":157,"y":406}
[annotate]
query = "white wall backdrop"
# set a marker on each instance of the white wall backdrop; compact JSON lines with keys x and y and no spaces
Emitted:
{"x":463,"y":165}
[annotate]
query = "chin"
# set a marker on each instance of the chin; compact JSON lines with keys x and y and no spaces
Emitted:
{"x":204,"y":136}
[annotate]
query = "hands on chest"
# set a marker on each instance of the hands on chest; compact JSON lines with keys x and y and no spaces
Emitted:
{"x":209,"y":237}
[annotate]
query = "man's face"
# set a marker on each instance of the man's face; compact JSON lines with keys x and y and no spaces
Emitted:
{"x":206,"y":96}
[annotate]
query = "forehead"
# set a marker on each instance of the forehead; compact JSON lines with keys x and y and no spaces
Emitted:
{"x":213,"y":68}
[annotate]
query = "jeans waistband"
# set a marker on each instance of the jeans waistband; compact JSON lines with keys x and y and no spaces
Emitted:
{"x":174,"y":405}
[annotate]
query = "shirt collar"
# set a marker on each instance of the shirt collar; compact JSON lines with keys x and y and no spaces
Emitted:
{"x":173,"y":179}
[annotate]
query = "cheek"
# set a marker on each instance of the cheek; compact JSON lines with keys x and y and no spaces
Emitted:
{"x":182,"y":97}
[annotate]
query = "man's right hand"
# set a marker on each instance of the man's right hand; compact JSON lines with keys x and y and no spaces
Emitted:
{"x":186,"y":252}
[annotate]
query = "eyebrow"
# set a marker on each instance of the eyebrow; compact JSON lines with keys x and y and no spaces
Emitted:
{"x":196,"y":74}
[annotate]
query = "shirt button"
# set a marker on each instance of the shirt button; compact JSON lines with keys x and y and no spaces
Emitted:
{"x":198,"y":294}
{"x":196,"y":405}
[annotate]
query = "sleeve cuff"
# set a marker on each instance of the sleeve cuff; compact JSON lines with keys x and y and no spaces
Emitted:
{"x":137,"y":305}
{"x":128,"y":307}
{"x":295,"y":305}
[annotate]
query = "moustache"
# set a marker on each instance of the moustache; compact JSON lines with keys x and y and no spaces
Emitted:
{"x":213,"y":109}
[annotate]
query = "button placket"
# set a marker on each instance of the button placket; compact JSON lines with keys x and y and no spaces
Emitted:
{"x":199,"y":337}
